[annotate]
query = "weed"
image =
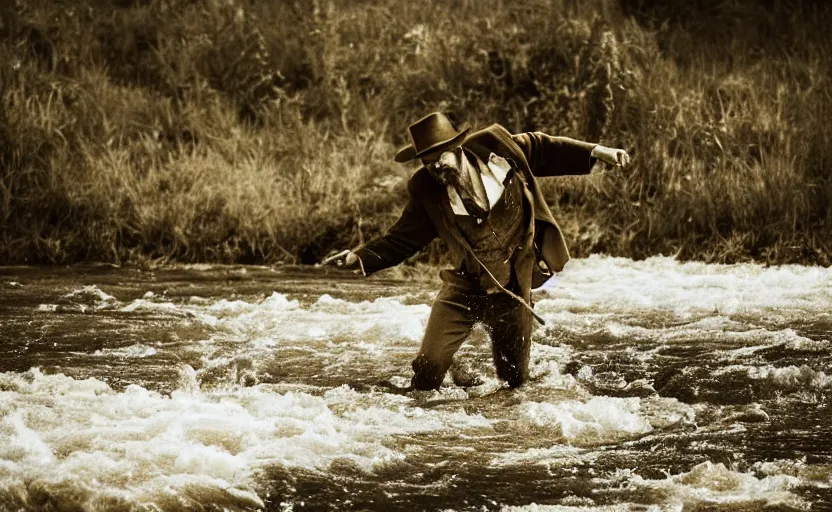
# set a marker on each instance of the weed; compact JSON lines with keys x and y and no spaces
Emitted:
{"x":243,"y":131}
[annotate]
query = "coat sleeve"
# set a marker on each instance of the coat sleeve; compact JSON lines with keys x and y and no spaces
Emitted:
{"x":412,"y":232}
{"x":555,"y":156}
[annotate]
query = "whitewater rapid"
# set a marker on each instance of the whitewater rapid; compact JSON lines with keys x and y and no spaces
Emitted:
{"x":645,"y":378}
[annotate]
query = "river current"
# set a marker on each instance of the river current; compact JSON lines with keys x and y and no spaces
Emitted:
{"x":656,"y":385}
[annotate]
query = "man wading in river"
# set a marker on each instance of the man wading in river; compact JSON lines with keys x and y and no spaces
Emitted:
{"x":478,"y":192}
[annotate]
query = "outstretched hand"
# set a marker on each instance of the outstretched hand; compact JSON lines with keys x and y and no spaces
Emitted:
{"x":345,"y":259}
{"x":611,"y":156}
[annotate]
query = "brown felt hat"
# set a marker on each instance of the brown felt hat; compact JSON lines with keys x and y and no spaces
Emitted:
{"x":434,"y":132}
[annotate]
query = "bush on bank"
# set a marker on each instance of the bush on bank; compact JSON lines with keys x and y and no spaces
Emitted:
{"x":245,"y":131}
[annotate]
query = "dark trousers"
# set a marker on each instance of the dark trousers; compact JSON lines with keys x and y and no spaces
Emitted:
{"x":452,"y":317}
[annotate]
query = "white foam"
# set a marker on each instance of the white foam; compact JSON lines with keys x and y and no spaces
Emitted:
{"x":578,"y":328}
{"x":601,"y":419}
{"x":550,"y":376}
{"x":133,"y":351}
{"x":87,"y":443}
{"x":623,"y":507}
{"x":279,"y":317}
{"x":789,"y":377}
{"x":153,"y":306}
{"x":619,"y":285}
{"x":594,"y":298}
{"x":556,"y":455}
{"x":714,"y":484}
{"x":91,"y":295}
{"x":817,"y":475}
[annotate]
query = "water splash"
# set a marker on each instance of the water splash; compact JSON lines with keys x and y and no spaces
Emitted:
{"x":688,"y":290}
{"x":133,"y":351}
{"x":263,"y":387}
{"x":139,"y":447}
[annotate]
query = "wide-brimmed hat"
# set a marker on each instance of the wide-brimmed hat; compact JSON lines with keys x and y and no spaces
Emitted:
{"x":434,"y":132}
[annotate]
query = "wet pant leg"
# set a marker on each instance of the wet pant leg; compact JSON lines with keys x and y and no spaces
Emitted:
{"x":510,"y":324}
{"x":452,"y":316}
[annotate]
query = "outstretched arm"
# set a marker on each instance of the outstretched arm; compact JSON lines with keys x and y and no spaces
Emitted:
{"x":611,"y":156}
{"x":411,"y":232}
{"x":561,"y":156}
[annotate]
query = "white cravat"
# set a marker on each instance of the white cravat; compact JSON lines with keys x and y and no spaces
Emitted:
{"x":492,"y":179}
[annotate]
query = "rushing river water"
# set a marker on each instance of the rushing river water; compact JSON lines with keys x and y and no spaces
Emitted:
{"x":656,"y":385}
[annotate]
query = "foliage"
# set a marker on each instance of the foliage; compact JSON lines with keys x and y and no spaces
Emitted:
{"x":238,"y":130}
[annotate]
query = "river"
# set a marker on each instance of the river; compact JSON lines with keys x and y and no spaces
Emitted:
{"x":656,"y":385}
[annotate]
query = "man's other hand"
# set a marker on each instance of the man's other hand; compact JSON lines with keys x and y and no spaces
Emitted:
{"x":611,"y":156}
{"x":345,"y":259}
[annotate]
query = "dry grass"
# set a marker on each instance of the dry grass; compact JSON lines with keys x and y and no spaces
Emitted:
{"x":243,"y":131}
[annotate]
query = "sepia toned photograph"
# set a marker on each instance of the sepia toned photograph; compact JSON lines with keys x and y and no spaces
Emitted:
{"x":437,"y":255}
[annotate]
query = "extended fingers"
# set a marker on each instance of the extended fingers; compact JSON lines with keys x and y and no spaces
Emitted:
{"x":611,"y":156}
{"x":622,"y":158}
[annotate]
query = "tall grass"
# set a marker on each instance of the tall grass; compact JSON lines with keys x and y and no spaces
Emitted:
{"x":244,"y":131}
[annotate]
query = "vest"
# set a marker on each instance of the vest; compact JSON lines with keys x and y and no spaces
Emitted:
{"x":496,"y":239}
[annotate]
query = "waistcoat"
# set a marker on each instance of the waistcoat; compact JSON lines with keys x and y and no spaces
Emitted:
{"x":495,"y":239}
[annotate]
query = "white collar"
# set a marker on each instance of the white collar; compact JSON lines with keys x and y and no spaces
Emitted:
{"x":492,"y":175}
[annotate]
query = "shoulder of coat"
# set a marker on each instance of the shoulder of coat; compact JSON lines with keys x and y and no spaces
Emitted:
{"x":497,"y":139}
{"x":489,"y":133}
{"x":420,"y":182}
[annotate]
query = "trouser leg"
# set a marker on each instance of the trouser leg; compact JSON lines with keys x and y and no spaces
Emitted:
{"x":451,"y":318}
{"x":511,"y":327}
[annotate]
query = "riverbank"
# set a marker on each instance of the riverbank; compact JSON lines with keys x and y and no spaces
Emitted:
{"x":164,"y":130}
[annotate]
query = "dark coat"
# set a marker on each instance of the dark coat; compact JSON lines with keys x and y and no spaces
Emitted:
{"x":428,"y":213}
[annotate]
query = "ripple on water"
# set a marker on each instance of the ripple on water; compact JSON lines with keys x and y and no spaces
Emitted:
{"x":706,"y":486}
{"x":637,"y":356}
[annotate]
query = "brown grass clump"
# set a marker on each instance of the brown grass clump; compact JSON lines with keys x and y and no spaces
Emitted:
{"x":243,"y":131}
